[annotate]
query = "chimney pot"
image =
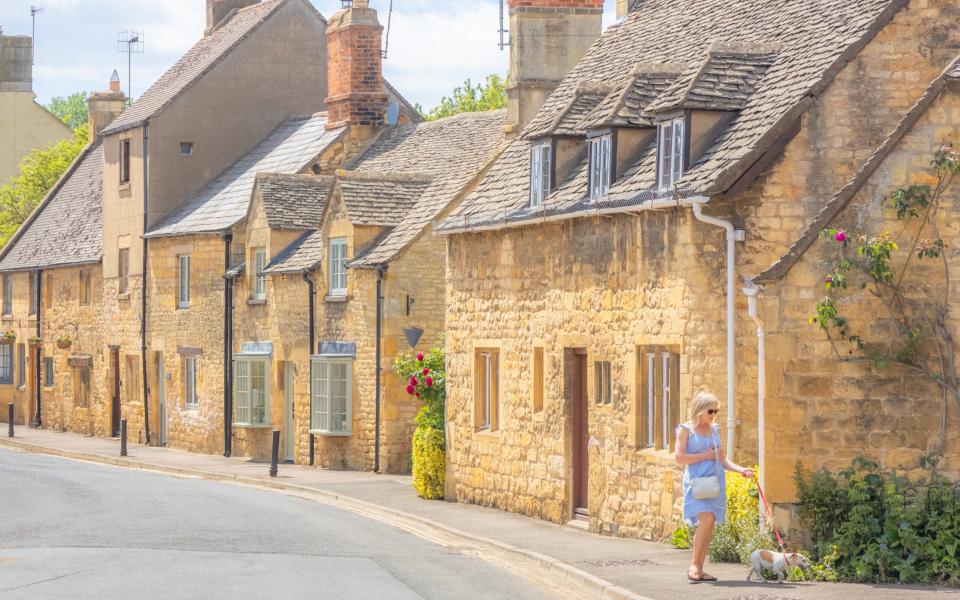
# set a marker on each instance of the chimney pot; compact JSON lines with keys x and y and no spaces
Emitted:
{"x":104,"y":107}
{"x":115,"y":82}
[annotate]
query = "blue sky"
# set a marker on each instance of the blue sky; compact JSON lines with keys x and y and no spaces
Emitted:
{"x":434,"y":44}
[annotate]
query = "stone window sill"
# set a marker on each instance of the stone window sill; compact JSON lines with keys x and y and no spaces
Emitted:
{"x":257,"y":301}
{"x":183,"y":307}
{"x":335,"y":299}
{"x":664,"y":457}
{"x":331,"y":433}
{"x":124,"y":186}
{"x":487,"y":434}
{"x":123,"y":296}
{"x":250,"y":426}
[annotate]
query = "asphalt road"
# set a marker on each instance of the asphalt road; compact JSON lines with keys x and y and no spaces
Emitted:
{"x":76,"y":530}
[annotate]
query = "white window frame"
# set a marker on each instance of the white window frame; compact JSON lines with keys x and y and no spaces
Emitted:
{"x":123,"y":270}
{"x":246,"y":404}
{"x":190,"y":382}
{"x":183,"y":281}
{"x":338,"y":267}
{"x":601,"y":155}
{"x":322,"y":410}
{"x":259,"y":280}
{"x":603,"y":382}
{"x":670,"y":152}
{"x":541,"y":169}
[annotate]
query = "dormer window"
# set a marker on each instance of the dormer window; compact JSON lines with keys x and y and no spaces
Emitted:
{"x":601,"y":154}
{"x":670,"y":152}
{"x":540,"y":169}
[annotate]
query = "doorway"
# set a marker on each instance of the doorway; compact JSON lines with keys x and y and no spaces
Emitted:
{"x":161,"y":403}
{"x":580,"y":432}
{"x":289,"y":434}
{"x":115,"y":399}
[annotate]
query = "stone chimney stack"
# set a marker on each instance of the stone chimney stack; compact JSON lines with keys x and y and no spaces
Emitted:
{"x":547,"y":39}
{"x":104,"y":107}
{"x":355,"y":67}
{"x":16,"y":63}
{"x":219,"y":10}
{"x":625,"y":7}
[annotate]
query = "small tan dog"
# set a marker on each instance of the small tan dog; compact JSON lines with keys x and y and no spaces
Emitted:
{"x":778,"y":562}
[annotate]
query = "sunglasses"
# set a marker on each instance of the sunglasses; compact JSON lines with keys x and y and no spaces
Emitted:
{"x":713,"y":411}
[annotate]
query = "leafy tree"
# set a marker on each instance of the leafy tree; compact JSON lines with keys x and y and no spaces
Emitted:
{"x":490,"y":95}
{"x":39,"y":171}
{"x":72,"y":110}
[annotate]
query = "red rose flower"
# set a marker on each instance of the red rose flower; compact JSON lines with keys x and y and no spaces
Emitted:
{"x":410,"y":389}
{"x":426,"y":371}
{"x":413,"y":380}
{"x":418,"y":395}
{"x":420,"y":356}
{"x":429,"y":382}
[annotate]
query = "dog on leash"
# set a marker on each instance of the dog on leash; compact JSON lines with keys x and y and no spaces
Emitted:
{"x":778,"y":562}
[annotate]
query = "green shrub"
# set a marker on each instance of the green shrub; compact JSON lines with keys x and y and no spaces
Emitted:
{"x":737,"y":538}
{"x":682,"y":537}
{"x":871,"y":526}
{"x":429,"y":462}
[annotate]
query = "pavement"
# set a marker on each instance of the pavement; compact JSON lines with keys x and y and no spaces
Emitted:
{"x":586,"y":565}
{"x":91,"y":531}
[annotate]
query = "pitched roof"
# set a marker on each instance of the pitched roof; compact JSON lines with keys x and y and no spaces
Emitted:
{"x":293,"y":201}
{"x":841,"y":200}
{"x":569,"y":120}
{"x":380,"y":198}
{"x":303,"y":255}
{"x":454,"y":151}
{"x":725,"y":80}
{"x":289,"y":149}
{"x":65,"y":229}
{"x":623,"y":106}
{"x":816,"y":41}
{"x":202,"y":57}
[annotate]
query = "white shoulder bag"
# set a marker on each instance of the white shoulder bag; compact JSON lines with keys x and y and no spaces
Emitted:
{"x":705,"y":488}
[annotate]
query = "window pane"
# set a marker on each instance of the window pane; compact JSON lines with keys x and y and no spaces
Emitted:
{"x":258,"y":392}
{"x":651,"y":397}
{"x":242,"y":408}
{"x":338,"y":401}
{"x":6,"y":363}
{"x":678,"y":139}
{"x":535,"y":176}
{"x":545,"y":169}
{"x":47,"y":371}
{"x":666,"y":155}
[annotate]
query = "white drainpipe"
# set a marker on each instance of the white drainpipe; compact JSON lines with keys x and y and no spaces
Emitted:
{"x":732,"y":235}
{"x":753,"y":293}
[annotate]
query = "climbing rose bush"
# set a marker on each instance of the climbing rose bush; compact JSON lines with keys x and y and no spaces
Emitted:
{"x":424,"y":377}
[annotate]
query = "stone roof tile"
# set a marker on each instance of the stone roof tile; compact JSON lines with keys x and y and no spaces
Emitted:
{"x":380,"y":199}
{"x":294,"y":201}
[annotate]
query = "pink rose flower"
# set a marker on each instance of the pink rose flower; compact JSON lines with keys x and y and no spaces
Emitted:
{"x":410,"y":389}
{"x":429,"y":381}
{"x":840,"y":236}
{"x":420,"y":356}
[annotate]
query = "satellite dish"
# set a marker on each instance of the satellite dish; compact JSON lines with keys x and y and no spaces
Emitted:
{"x":393,"y":114}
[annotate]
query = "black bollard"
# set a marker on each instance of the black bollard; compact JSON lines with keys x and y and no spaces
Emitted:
{"x":311,"y":449}
{"x":123,"y":437}
{"x":274,"y":451}
{"x":10,"y":422}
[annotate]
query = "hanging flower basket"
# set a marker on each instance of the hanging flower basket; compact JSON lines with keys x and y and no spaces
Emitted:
{"x":8,"y":338}
{"x":35,"y":342}
{"x":64,"y":342}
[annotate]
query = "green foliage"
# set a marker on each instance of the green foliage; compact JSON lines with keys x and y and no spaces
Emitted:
{"x":871,"y":526}
{"x":737,"y":538}
{"x":72,"y":110}
{"x":429,"y":462}
{"x":39,"y":171}
{"x":490,"y":95}
{"x":682,"y":538}
{"x":424,"y":376}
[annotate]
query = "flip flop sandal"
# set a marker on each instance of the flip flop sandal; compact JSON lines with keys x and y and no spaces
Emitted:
{"x":707,"y":578}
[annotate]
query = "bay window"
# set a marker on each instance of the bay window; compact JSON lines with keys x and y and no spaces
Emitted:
{"x":252,"y":390}
{"x":330,"y":395}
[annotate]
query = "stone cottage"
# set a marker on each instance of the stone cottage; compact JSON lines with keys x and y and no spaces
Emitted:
{"x":24,"y":124}
{"x":593,"y":279}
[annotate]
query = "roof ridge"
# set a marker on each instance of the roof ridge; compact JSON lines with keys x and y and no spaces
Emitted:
{"x":384,"y":176}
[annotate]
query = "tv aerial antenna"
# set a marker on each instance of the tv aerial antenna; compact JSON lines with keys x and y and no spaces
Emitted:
{"x":504,"y":34}
{"x":386,"y":44}
{"x":130,"y":43}
{"x":34,"y":11}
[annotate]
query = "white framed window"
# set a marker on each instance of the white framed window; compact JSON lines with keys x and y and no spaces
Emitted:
{"x":123,"y":270}
{"x":486,"y":407}
{"x":670,"y":152}
{"x":331,"y":394}
{"x":48,"y":373}
{"x":338,"y":267}
{"x":85,"y":288}
{"x":541,"y":167}
{"x":124,"y":161}
{"x":259,"y":280}
{"x":183,"y":281}
{"x":252,"y":390}
{"x":190,"y":381}
{"x":601,"y":153}
{"x":660,"y":409}
{"x":603,"y":382}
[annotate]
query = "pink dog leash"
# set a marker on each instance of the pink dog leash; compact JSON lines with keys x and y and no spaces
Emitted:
{"x":773,"y":523}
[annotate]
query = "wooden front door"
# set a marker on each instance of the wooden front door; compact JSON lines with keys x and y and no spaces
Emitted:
{"x":581,"y":435}
{"x":115,"y":399}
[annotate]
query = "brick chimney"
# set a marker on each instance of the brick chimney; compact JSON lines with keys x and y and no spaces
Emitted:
{"x":104,"y":107}
{"x":16,"y":63}
{"x":547,"y":39}
{"x":219,"y":10}
{"x":355,"y":67}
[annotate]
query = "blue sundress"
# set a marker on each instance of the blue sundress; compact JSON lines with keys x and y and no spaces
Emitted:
{"x":697,"y":444}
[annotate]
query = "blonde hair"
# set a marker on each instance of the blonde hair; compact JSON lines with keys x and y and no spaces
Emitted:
{"x":701,"y":402}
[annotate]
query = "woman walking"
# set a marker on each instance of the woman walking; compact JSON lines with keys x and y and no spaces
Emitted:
{"x":704,"y":483}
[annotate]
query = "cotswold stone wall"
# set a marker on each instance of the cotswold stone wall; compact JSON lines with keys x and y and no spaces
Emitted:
{"x":610,"y":285}
{"x":824,"y":412}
